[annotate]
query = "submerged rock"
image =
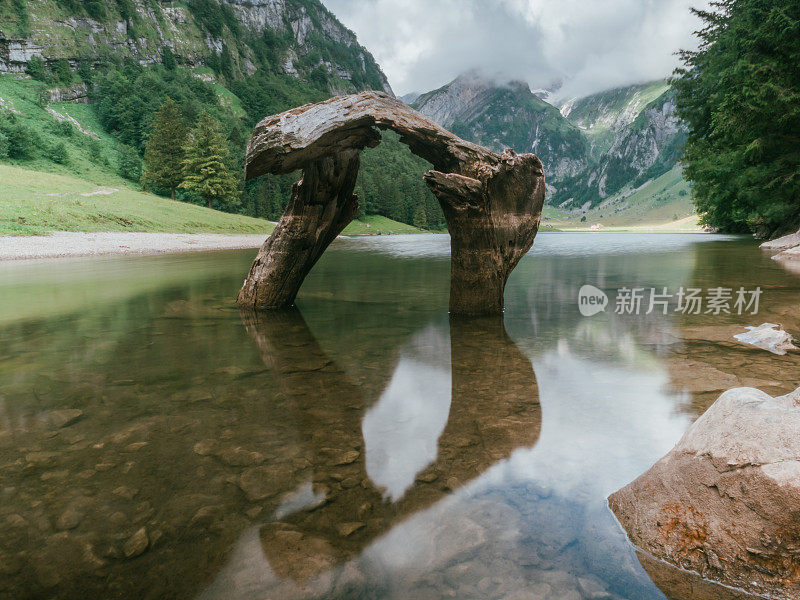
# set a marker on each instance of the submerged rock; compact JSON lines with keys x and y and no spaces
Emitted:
{"x":768,"y":336}
{"x":69,"y":519}
{"x":259,"y":483}
{"x":346,"y":529}
{"x":725,"y":502}
{"x":136,"y":544}
{"x":789,"y":258}
{"x":63,"y":418}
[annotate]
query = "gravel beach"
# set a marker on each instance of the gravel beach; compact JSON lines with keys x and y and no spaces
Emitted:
{"x":69,"y":244}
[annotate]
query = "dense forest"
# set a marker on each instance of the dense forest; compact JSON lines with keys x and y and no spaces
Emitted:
{"x":740,"y":94}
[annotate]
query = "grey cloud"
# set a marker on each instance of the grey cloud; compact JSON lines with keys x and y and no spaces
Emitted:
{"x":590,"y":45}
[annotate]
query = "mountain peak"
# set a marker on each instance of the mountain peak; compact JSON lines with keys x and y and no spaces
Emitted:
{"x":500,"y":113}
{"x":446,"y":104}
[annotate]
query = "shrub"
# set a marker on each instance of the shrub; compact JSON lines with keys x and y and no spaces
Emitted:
{"x":85,"y":71}
{"x":62,"y":128}
{"x":168,"y":58}
{"x":58,"y":153}
{"x":22,"y":141}
{"x":62,"y":71}
{"x":95,"y":151}
{"x":129,"y":164}
{"x":37,"y":69}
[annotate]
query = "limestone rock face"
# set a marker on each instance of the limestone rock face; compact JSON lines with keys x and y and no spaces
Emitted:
{"x":159,"y":25}
{"x":725,"y":502}
{"x":492,"y":202}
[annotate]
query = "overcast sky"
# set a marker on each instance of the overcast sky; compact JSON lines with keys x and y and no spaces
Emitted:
{"x":590,"y":45}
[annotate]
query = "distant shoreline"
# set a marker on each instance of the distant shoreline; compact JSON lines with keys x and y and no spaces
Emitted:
{"x":68,"y":244}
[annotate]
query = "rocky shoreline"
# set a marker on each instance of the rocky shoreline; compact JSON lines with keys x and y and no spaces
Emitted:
{"x":789,"y":247}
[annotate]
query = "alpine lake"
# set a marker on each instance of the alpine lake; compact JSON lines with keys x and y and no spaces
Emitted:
{"x":155,"y":443}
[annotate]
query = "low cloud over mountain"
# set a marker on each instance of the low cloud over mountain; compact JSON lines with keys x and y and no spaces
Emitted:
{"x":590,"y":46}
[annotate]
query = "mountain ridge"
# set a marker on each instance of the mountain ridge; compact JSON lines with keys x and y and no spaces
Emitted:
{"x":249,"y":50}
{"x":592,"y":147}
{"x":506,"y":115}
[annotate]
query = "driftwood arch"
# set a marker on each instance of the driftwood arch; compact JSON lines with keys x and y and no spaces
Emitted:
{"x":492,"y":203}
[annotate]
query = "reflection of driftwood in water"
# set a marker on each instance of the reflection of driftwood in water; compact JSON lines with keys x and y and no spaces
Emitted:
{"x":494,"y":410}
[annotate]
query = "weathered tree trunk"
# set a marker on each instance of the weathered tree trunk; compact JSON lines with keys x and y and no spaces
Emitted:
{"x":322,"y":205}
{"x":492,"y":203}
{"x":493,"y":222}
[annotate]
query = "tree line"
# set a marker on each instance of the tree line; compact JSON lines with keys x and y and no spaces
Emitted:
{"x":740,"y":94}
{"x":129,"y":100}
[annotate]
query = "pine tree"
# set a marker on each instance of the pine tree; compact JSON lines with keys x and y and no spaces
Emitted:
{"x":420,"y":218}
{"x":164,"y":151}
{"x":206,"y":166}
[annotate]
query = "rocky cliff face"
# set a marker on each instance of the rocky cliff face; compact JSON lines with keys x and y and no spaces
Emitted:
{"x":627,"y":151}
{"x":604,"y":115}
{"x":302,"y":35}
{"x":507,"y":115}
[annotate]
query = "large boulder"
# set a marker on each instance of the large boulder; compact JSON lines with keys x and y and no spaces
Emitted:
{"x":725,"y":502}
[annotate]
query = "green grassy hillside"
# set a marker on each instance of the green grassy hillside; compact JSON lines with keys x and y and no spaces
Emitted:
{"x":237,"y":61}
{"x":36,"y":202}
{"x":602,"y":115}
{"x":92,"y":155}
{"x":662,"y":203}
{"x":69,"y":147}
{"x":378,"y":225}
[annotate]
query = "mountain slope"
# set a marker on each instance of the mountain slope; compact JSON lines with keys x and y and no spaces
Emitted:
{"x":507,"y":116}
{"x":81,"y":80}
{"x":592,"y":148}
{"x":295,"y":37}
{"x":603,"y":115}
{"x":645,"y":148}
